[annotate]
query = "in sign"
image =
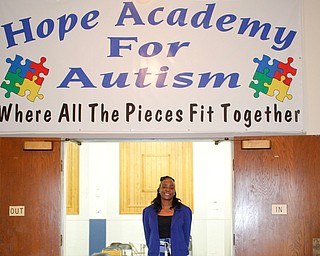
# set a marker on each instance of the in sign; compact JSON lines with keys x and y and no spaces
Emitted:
{"x":16,"y":211}
{"x":279,"y":209}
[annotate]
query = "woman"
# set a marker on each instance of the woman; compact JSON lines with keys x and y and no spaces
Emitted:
{"x":167,"y":222}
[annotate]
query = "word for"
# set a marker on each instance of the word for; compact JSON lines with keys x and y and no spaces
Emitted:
{"x":149,"y":49}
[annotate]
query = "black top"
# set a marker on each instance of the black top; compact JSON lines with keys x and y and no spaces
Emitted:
{"x":164,"y":223}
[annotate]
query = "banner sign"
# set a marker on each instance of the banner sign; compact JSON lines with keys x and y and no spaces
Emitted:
{"x":150,"y":67}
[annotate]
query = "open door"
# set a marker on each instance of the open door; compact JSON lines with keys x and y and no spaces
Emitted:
{"x":276,"y":196}
{"x":30,"y":211}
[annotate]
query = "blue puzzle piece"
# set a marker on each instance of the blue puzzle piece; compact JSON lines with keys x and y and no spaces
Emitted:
{"x":264,"y":64}
{"x":17,"y":64}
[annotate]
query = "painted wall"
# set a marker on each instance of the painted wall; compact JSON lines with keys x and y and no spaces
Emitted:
{"x":99,"y":199}
{"x":311,"y":53}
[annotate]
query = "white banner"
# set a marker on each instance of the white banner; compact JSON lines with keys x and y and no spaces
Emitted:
{"x":161,"y":67}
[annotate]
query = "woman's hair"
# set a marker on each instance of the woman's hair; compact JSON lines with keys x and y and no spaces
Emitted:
{"x":176,"y":202}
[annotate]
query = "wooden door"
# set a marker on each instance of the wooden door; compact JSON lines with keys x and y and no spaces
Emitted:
{"x":30,"y":178}
{"x":141,"y":166}
{"x":287,"y":174}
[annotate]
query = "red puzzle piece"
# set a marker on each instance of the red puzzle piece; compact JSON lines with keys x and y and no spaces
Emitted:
{"x":39,"y":69}
{"x":287,"y":69}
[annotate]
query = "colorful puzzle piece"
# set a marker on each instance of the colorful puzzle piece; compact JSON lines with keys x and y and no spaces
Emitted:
{"x":24,"y":77}
{"x":271,"y":78}
{"x":32,"y":87}
{"x":279,"y":86}
{"x":264,"y":64}
{"x":17,"y":64}
{"x":286,"y":69}
{"x":259,"y":85}
{"x":10,"y":86}
{"x":39,"y":69}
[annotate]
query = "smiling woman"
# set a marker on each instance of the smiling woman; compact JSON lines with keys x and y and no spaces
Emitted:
{"x":167,"y":222}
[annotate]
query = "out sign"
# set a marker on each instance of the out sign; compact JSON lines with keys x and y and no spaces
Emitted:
{"x":16,"y":211}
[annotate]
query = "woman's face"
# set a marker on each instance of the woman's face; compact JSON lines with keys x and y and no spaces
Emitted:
{"x":167,"y":189}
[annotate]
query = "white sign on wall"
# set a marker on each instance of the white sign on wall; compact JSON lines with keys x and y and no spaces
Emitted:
{"x":16,"y":211}
{"x":163,"y":67}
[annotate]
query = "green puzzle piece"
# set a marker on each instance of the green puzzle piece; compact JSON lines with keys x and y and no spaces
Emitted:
{"x":10,"y":86}
{"x":259,"y":86}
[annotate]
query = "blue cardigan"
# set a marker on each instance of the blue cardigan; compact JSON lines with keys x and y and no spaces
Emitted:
{"x":180,"y":230}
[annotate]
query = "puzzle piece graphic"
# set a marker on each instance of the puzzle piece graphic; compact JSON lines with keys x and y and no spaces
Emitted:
{"x":32,"y":87}
{"x":273,"y":76}
{"x":286,"y":69}
{"x":259,"y":86}
{"x":38,"y":69}
{"x":264,"y":64}
{"x":13,"y":79}
{"x":279,"y":86}
{"x":24,"y":76}
{"x":17,"y":64}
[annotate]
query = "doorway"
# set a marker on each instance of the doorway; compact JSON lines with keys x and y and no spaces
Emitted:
{"x":99,"y":200}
